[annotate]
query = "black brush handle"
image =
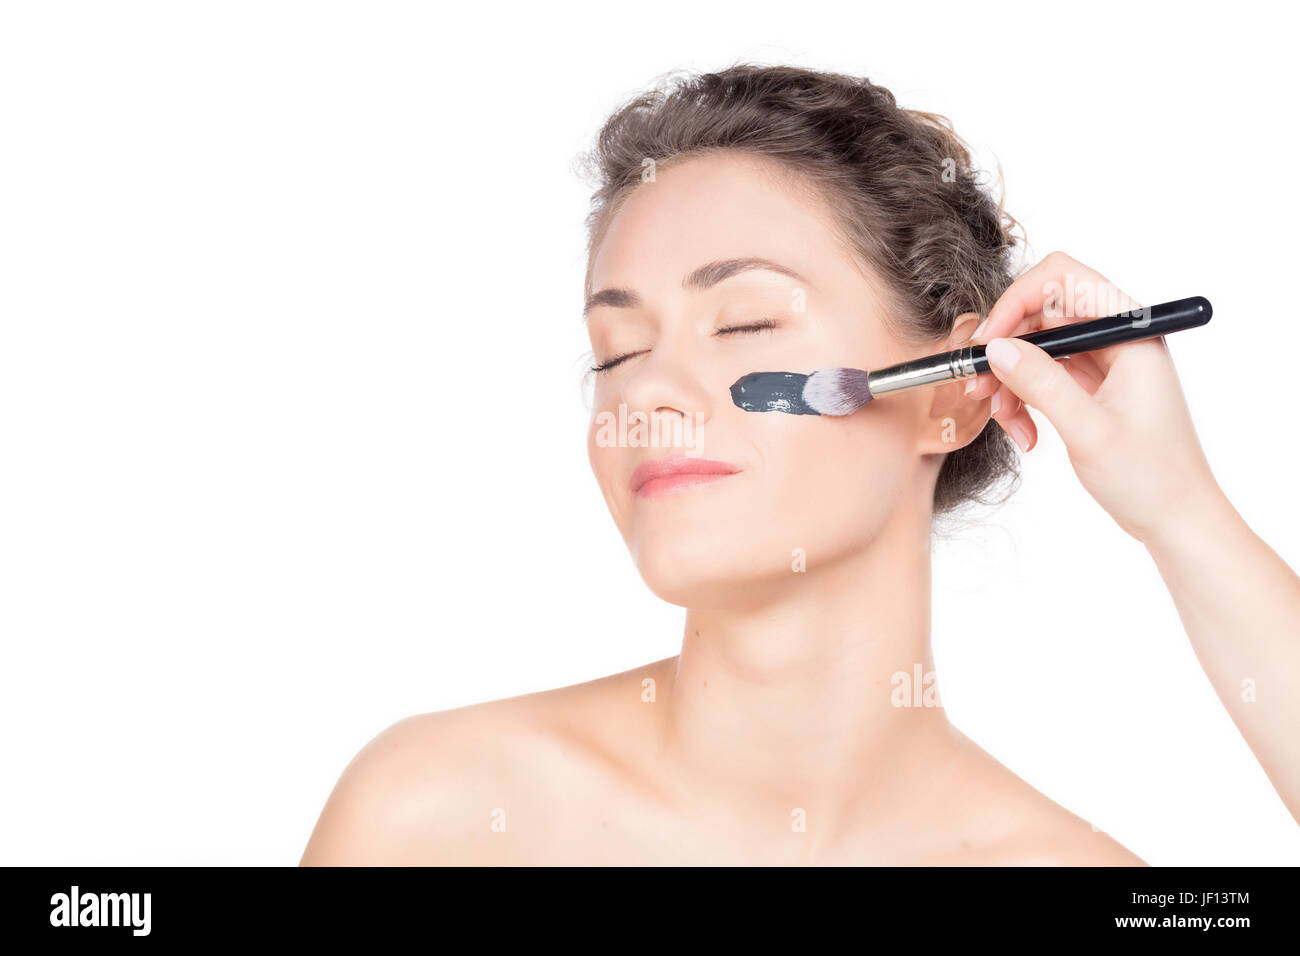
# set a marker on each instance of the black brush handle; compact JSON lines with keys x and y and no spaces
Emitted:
{"x":1141,"y":323}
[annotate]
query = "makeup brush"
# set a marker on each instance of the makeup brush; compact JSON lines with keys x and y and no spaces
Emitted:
{"x":842,"y":391}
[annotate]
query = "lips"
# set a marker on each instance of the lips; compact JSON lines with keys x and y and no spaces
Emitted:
{"x":663,"y":476}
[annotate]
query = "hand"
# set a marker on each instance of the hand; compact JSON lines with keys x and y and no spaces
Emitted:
{"x":1119,"y":410}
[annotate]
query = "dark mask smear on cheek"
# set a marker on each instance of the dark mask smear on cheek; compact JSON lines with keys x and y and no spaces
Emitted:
{"x":771,"y":392}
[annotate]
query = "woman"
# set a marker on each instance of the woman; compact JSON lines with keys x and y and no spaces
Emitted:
{"x":777,"y":218}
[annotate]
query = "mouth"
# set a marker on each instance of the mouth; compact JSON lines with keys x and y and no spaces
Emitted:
{"x":666,"y":476}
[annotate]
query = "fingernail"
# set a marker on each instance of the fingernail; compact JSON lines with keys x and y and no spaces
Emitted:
{"x":978,"y":329}
{"x":971,"y":383}
{"x":996,"y":403}
{"x":1019,"y":436}
{"x":1002,"y":354}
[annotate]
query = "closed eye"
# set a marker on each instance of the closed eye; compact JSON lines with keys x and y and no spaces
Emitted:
{"x":763,"y":325}
{"x":616,"y":360}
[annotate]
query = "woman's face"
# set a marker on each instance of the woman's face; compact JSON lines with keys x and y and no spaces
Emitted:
{"x":799,"y":485}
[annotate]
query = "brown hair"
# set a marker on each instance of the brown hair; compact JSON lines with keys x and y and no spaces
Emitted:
{"x":901,"y":186}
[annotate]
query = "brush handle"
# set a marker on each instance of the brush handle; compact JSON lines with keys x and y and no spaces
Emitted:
{"x":1060,"y":342}
{"x":1066,"y":340}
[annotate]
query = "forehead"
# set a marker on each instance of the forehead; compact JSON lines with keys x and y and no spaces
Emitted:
{"x":712,"y":207}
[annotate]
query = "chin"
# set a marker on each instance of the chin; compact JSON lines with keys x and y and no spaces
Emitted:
{"x":708,"y":569}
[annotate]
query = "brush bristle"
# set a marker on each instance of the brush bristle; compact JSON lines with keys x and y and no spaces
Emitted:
{"x":837,"y":391}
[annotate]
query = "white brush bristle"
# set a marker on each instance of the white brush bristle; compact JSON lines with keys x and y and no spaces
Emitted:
{"x":836,"y":391}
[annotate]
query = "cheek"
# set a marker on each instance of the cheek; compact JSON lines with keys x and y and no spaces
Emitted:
{"x":835,"y":481}
{"x":603,"y":456}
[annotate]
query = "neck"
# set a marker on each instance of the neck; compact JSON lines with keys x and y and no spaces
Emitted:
{"x":798,"y":701}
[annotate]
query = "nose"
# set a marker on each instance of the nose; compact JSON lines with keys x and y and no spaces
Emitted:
{"x":666,"y":383}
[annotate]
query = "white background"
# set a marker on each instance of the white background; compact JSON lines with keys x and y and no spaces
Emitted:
{"x":269,"y":275}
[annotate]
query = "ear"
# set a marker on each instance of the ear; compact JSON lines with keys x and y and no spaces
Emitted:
{"x":953,"y":420}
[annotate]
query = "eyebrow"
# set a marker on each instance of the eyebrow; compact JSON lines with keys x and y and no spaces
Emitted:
{"x":705,"y":277}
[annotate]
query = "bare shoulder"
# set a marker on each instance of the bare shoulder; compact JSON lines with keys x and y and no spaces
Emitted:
{"x":1050,"y":835}
{"x":1025,"y":827}
{"x":1073,"y":842}
{"x":445,"y":787}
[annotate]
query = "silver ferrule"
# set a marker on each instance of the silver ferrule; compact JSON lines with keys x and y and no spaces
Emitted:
{"x":919,"y":373}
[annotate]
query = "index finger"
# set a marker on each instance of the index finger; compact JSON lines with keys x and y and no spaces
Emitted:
{"x":1026,"y":297}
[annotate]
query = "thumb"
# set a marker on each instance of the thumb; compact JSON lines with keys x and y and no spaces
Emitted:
{"x":1039,"y":380}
